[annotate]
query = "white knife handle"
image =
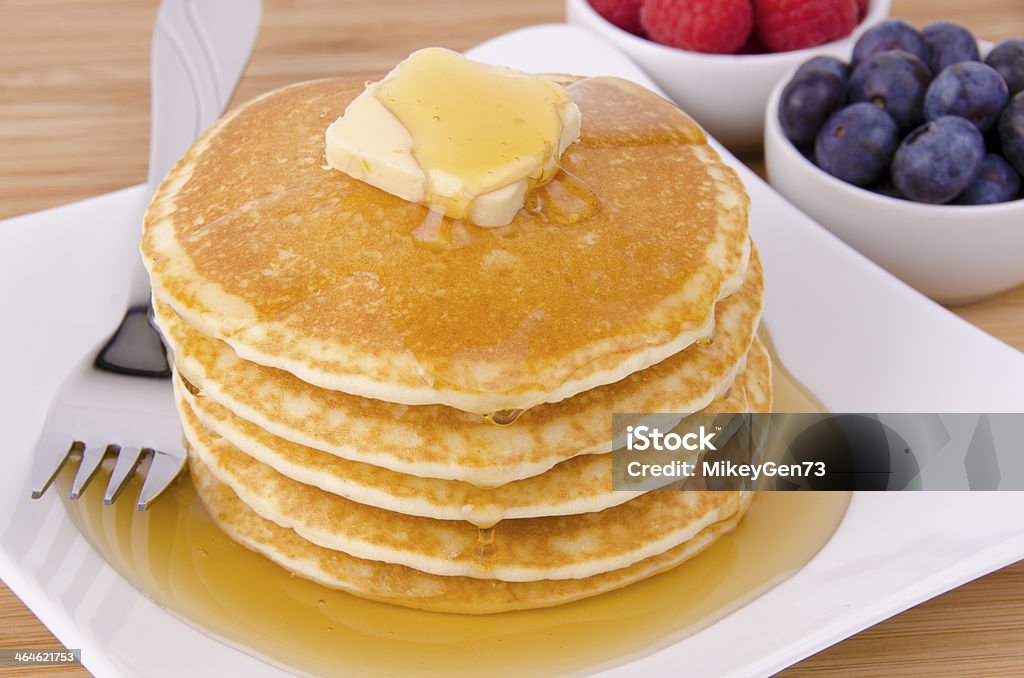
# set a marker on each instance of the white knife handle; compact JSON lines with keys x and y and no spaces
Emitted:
{"x":200,"y":49}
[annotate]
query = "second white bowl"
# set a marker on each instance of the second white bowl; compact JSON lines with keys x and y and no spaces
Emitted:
{"x":952,"y":253}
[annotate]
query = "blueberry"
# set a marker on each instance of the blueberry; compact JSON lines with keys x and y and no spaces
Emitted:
{"x":1011,"y":132}
{"x":969,"y":89}
{"x":938,"y":160}
{"x":809,"y":98}
{"x":894,"y":81}
{"x":1008,"y":58}
{"x":856,"y":143}
{"x":828,"y":63}
{"x":992,"y":144}
{"x":949,"y":44}
{"x":996,"y":182}
{"x":887,"y":36}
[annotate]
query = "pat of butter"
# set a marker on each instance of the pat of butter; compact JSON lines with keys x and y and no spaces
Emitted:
{"x":461,"y":137}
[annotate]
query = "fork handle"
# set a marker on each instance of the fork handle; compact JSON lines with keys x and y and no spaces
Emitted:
{"x":135,"y":347}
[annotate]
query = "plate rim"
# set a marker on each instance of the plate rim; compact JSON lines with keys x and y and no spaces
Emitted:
{"x":70,"y":630}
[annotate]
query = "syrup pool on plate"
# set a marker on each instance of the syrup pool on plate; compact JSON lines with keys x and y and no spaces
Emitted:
{"x":177,"y":556}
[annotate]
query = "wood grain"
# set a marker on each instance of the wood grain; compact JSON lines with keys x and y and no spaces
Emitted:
{"x":73,"y":123}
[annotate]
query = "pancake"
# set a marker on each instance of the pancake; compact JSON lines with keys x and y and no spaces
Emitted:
{"x":406,"y":586}
{"x":251,"y":241}
{"x":527,"y":549}
{"x":579,"y":485}
{"x":759,"y":391}
{"x":441,"y":442}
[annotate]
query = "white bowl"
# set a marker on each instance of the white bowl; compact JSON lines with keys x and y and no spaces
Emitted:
{"x":955,"y":254}
{"x":726,"y":93}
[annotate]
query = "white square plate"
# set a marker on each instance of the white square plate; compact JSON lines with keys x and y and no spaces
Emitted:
{"x":857,"y":337}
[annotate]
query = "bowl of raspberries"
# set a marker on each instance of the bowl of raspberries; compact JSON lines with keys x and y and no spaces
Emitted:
{"x":911,"y":149}
{"x":718,"y":59}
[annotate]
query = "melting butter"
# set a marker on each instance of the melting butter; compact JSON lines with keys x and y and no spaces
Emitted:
{"x":463,"y":138}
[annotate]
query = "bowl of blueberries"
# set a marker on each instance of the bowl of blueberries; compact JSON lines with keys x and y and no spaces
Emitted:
{"x":912,"y":151}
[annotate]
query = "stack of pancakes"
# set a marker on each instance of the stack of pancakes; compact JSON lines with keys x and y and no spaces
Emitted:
{"x":419,"y":410}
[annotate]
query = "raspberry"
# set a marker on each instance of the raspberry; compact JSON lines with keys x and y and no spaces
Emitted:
{"x":862,"y":9}
{"x":786,"y":25}
{"x":623,"y":13}
{"x":753,"y":45}
{"x":711,"y":26}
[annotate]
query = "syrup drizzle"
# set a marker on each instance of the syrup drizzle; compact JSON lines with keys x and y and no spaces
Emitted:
{"x":565,"y":200}
{"x":504,"y":417}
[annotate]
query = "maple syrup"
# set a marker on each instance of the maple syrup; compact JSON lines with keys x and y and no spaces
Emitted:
{"x":565,"y":200}
{"x":177,"y":556}
{"x":504,"y":417}
{"x":788,"y":394}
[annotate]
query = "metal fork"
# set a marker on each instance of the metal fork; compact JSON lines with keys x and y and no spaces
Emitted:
{"x":117,"y":399}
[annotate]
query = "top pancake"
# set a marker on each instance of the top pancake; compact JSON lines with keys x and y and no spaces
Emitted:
{"x":617,"y":264}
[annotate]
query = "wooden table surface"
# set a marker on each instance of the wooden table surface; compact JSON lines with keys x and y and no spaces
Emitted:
{"x":74,"y":108}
